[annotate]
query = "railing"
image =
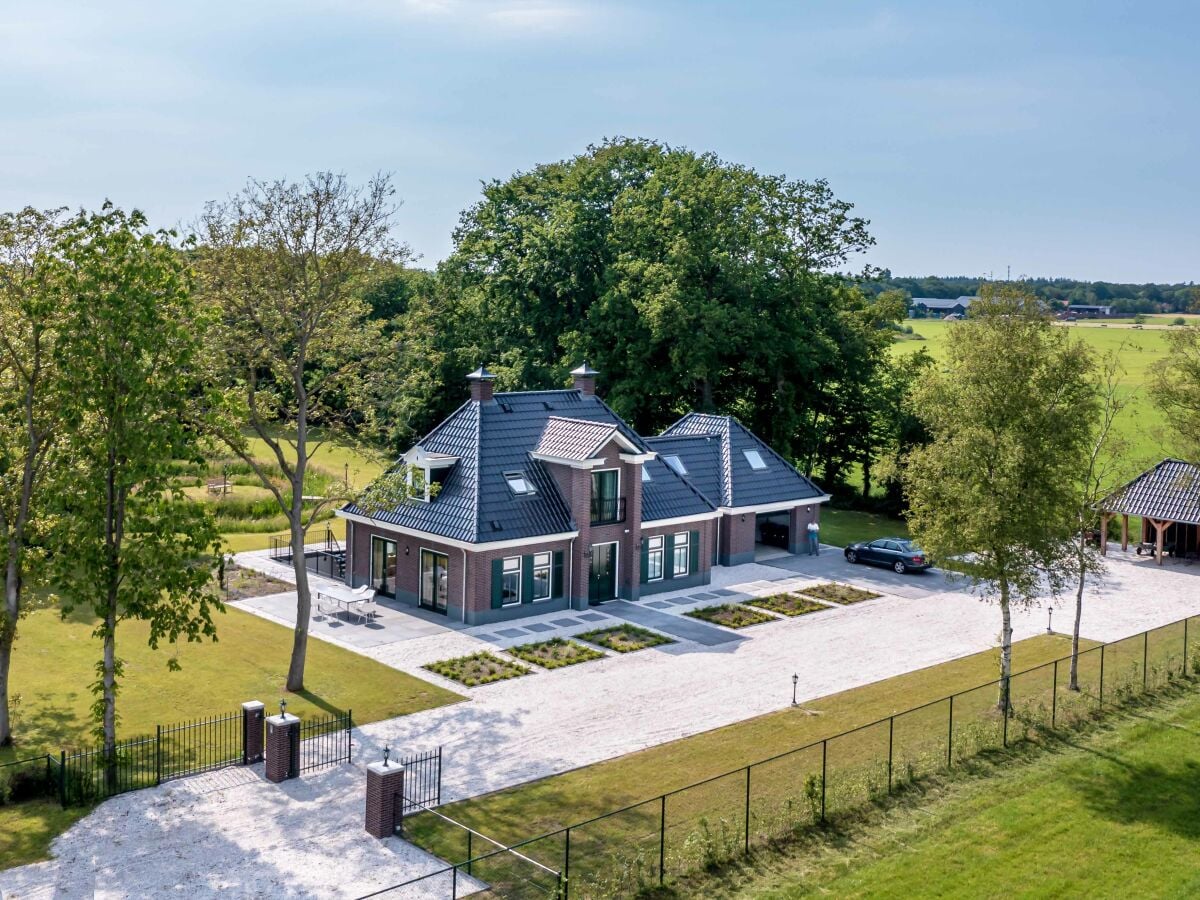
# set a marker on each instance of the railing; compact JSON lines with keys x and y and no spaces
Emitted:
{"x":689,"y":830}
{"x":325,"y":741}
{"x":422,"y":780}
{"x":608,"y":510}
{"x":329,"y":560}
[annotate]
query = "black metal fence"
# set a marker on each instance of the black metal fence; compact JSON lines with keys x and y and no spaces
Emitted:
{"x":422,"y":780}
{"x":33,"y":778}
{"x":686,"y":831}
{"x":328,"y":558}
{"x":325,"y":741}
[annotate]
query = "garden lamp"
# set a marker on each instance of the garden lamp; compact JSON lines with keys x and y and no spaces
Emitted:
{"x":795,"y":681}
{"x":1050,"y":621}
{"x":282,"y":707}
{"x":387,"y":751}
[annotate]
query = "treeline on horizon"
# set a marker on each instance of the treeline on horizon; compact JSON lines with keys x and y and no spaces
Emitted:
{"x":1123,"y":298}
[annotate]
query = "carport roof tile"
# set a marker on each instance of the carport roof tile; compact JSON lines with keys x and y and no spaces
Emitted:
{"x":1170,"y":491}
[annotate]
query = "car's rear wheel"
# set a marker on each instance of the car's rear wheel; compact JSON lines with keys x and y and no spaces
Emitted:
{"x":851,"y":556}
{"x":899,"y":567}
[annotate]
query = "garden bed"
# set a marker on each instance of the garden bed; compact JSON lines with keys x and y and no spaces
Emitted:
{"x":476,"y":669}
{"x":241,"y":584}
{"x":731,"y":615}
{"x":786,"y":604}
{"x":839,"y":593}
{"x":624,"y":638}
{"x":555,"y":653}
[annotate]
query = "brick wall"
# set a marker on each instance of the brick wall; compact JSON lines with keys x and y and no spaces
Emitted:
{"x":738,"y":532}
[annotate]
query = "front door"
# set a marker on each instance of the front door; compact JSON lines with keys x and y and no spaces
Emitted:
{"x":435,"y":580}
{"x":602,"y":582}
{"x":383,"y":566}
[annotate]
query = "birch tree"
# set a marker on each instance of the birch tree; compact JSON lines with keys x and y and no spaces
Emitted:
{"x":29,"y":410}
{"x":295,"y":347}
{"x":1105,"y":453}
{"x":128,"y":544}
{"x":993,"y":494}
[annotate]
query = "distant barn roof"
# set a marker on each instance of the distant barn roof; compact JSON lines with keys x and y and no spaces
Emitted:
{"x":1170,"y":491}
{"x":942,"y":302}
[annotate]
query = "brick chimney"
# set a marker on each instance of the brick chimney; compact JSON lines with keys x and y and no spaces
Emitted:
{"x":481,"y":385}
{"x":585,"y":379}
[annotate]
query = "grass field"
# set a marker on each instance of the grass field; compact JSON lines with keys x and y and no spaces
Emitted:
{"x":1114,"y":813}
{"x":845,"y":526}
{"x":54,"y":663}
{"x":1140,"y":423}
{"x":551,"y":803}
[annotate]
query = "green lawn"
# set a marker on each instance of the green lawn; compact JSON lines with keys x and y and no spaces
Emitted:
{"x":1141,"y":423}
{"x":1115,"y":813}
{"x":551,"y":803}
{"x":845,"y":526}
{"x":54,"y":661}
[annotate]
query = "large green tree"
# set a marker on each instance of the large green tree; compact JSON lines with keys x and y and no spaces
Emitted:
{"x":993,"y":495}
{"x":297,"y":348}
{"x":30,"y":400}
{"x":690,"y":282}
{"x":1175,"y":388}
{"x":127,"y":543}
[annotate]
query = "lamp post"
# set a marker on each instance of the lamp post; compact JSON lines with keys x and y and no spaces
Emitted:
{"x":387,"y":751}
{"x":795,"y":681}
{"x":282,"y":707}
{"x":1050,"y":621}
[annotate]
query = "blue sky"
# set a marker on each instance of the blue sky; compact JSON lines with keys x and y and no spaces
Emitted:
{"x":1061,"y":138}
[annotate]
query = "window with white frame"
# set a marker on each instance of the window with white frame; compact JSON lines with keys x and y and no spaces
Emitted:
{"x":654,"y":558}
{"x":510,"y":593}
{"x":518,"y":483}
{"x":542,"y":565}
{"x":680,"y":551}
{"x":755,"y":459}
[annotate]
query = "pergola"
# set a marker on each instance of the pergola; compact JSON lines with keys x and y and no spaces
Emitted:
{"x":1164,"y":496}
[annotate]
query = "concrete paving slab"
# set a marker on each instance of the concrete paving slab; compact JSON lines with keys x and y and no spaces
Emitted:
{"x":676,"y":626}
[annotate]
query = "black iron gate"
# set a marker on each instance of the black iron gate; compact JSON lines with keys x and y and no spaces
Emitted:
{"x":325,"y":741}
{"x":422,"y":780}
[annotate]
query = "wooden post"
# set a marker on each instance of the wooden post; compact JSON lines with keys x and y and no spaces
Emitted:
{"x":1160,"y":527}
{"x":1125,"y":531}
{"x":1104,"y":533}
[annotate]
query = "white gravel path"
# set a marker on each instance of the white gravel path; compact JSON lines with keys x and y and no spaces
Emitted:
{"x":233,"y":833}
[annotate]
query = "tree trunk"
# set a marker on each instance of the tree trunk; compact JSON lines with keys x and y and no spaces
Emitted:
{"x":1003,"y":700}
{"x":866,"y":478}
{"x":110,"y":691}
{"x":1074,"y":680}
{"x":295,"y":678}
{"x":8,"y":634}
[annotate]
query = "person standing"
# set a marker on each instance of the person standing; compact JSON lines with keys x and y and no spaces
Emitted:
{"x":814,"y":539}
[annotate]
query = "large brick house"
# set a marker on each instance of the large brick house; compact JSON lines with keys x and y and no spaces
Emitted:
{"x":547,"y":500}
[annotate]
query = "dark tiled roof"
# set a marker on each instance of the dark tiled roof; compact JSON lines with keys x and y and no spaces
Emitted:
{"x":475,"y":503}
{"x":1171,"y":490}
{"x":740,"y":484}
{"x":575,"y":439}
{"x":700,"y":455}
{"x":941,"y":302}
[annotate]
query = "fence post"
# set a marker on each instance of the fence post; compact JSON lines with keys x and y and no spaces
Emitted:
{"x":439,"y":783}
{"x":662,"y":841}
{"x":62,"y":778}
{"x":1054,"y":699}
{"x":1145,"y":657}
{"x":1102,"y":646}
{"x":454,"y":884}
{"x":747,"y":810}
{"x":824,"y":757}
{"x":1183,"y":671}
{"x":566,"y":873}
{"x":158,"y":754}
{"x":1007,"y":707}
{"x":950,"y":736}
{"x":891,"y":734}
{"x":470,"y":849}
{"x":349,"y":730}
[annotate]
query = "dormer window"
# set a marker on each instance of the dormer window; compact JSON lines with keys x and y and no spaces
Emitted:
{"x":519,"y":484}
{"x":755,"y":459}
{"x":675,"y":463}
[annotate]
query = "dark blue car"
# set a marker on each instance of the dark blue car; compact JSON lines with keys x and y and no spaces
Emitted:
{"x":897,"y":554}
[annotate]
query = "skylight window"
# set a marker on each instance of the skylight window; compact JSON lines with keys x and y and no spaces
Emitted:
{"x":675,"y":463}
{"x":646,"y":475}
{"x":518,"y":483}
{"x":755,"y":459}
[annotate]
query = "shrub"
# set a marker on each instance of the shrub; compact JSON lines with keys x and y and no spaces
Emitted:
{"x":476,"y":669}
{"x":555,"y":653}
{"x":839,"y":593}
{"x":1179,"y":320}
{"x":731,"y":615}
{"x":624,"y":638}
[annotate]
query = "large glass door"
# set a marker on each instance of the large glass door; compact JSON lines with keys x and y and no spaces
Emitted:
{"x":383,"y":566}
{"x":602,"y":580}
{"x":435,"y":580}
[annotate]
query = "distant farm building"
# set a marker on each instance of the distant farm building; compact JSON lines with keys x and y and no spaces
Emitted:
{"x":1084,"y":311}
{"x":938,"y":307}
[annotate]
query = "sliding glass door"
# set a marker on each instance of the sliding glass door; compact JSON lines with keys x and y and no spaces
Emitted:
{"x":435,"y":580}
{"x":383,"y":566}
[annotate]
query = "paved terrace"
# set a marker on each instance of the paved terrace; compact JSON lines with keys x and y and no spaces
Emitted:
{"x":232,"y":832}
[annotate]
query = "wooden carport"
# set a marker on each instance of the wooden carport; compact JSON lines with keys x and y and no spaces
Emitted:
{"x":1164,"y":496}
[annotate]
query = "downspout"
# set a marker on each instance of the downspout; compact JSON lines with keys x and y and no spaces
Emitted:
{"x":571,"y":575}
{"x":464,"y":588}
{"x":717,"y":554}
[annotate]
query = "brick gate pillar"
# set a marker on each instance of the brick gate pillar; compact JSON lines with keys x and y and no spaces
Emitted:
{"x":252,"y":732}
{"x":283,"y":747}
{"x":385,"y":799}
